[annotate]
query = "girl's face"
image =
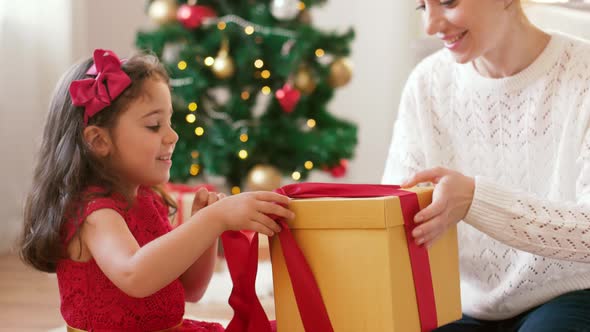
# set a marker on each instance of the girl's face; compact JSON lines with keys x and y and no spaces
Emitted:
{"x":468,"y":28}
{"x":143,"y":139}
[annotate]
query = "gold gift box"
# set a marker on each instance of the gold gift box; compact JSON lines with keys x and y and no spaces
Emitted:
{"x":357,"y":251}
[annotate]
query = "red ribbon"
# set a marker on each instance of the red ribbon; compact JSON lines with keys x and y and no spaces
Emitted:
{"x":182,"y":189}
{"x":98,"y":92}
{"x":241,"y":250}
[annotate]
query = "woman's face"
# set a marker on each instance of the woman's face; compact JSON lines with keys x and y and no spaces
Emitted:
{"x":468,"y":28}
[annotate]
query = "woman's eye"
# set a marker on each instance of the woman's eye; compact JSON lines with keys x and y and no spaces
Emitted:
{"x":447,"y":3}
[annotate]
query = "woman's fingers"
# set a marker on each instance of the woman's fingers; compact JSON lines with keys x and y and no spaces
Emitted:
{"x":435,"y":208}
{"x":429,"y":175}
{"x":429,"y":231}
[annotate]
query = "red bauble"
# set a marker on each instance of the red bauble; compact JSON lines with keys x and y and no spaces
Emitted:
{"x":193,"y":16}
{"x":340,"y":170}
{"x":288,"y":97}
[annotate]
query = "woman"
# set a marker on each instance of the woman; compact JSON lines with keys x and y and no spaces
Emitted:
{"x":499,"y":123}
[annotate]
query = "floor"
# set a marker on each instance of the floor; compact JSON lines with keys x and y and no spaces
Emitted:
{"x":29,"y":300}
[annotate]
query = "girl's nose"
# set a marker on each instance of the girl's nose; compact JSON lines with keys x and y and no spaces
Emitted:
{"x":433,"y":20}
{"x":171,"y":137}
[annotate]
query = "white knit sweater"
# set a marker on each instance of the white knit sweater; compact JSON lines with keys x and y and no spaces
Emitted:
{"x":525,"y":139}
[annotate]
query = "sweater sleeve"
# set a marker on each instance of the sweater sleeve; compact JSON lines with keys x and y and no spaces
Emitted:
{"x":406,"y":155}
{"x":549,"y":228}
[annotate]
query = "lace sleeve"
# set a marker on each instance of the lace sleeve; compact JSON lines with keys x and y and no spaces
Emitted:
{"x":93,"y":203}
{"x":554,"y":229}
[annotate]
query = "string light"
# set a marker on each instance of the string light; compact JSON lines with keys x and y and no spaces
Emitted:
{"x":265,"y":74}
{"x":311,"y":123}
{"x":249,"y":30}
{"x":191,"y":118}
{"x":301,"y":5}
{"x":195,"y":169}
{"x":243,"y":154}
{"x":308,"y":165}
{"x":199,"y":131}
{"x":235,"y":190}
{"x":244,"y":138}
{"x":296,"y":176}
{"x":221,"y":25}
{"x":266,"y":90}
{"x":319,"y":53}
{"x":258,"y":28}
{"x":258,"y":63}
{"x":195,"y":154}
{"x":192,"y":106}
{"x":182,"y":65}
{"x":245,"y":95}
{"x":209,"y":61}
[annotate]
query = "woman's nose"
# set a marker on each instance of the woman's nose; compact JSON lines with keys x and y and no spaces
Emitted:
{"x":433,"y":20}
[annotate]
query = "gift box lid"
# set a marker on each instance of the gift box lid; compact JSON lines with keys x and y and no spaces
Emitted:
{"x":352,"y":213}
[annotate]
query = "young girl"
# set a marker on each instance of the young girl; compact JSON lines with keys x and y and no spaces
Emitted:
{"x":93,"y":216}
{"x":499,"y":121}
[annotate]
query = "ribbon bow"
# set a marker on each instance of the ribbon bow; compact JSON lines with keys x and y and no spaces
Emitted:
{"x":108,"y":83}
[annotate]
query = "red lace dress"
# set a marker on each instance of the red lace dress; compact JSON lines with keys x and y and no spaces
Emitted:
{"x":91,"y":302}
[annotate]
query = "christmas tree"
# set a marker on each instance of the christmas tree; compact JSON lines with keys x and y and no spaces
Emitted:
{"x":251,"y":81}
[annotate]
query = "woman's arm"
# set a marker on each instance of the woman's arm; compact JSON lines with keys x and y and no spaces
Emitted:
{"x":549,"y":228}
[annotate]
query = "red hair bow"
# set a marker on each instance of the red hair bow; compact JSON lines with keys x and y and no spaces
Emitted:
{"x":98,"y":92}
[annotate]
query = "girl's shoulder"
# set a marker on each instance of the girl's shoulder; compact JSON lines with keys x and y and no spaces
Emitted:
{"x":91,"y":199}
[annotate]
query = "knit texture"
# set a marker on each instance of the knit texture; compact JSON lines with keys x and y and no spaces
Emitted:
{"x":525,"y":139}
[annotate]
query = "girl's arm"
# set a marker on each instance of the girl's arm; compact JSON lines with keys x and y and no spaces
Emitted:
{"x":196,"y":278}
{"x":142,"y":271}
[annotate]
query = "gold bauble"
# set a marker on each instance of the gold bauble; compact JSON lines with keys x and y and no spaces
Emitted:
{"x":304,"y":81}
{"x":223,"y":66}
{"x":263,"y":177}
{"x":163,"y":11}
{"x":340,"y":72}
{"x":304,"y":17}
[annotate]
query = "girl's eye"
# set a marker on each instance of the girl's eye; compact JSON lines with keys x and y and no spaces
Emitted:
{"x":154,"y":128}
{"x":421,"y":7}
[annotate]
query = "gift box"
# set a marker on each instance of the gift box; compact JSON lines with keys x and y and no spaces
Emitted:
{"x":358,"y":251}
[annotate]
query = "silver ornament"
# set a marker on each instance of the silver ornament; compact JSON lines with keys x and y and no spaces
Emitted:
{"x":284,"y":9}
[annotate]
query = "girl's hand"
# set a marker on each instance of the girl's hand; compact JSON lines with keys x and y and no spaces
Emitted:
{"x":451,"y":199}
{"x":204,"y":198}
{"x":251,"y":211}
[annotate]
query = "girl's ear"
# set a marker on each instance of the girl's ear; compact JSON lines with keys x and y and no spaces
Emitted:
{"x":98,"y":140}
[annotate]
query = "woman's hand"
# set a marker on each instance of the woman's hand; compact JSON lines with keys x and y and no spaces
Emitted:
{"x":204,"y":198}
{"x":451,"y":199}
